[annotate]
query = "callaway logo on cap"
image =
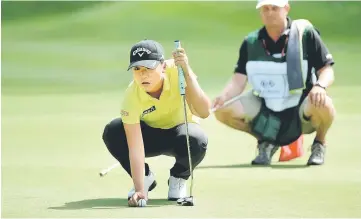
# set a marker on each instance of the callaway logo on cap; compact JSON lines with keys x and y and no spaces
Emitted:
{"x":147,"y":53}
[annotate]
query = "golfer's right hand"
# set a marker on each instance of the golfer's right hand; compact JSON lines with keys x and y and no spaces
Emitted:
{"x":218,"y":102}
{"x":133,"y":201}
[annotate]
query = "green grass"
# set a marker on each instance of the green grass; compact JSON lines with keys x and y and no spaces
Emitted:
{"x":52,"y":153}
{"x":63,"y":74}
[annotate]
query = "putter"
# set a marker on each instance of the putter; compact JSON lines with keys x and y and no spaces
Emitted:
{"x":188,"y":201}
{"x":107,"y":170}
{"x":228,"y":102}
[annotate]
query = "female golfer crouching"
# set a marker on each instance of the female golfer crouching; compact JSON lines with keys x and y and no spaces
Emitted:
{"x":152,"y":120}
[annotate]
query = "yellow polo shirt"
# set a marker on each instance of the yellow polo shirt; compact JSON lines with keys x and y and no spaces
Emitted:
{"x":165,"y":112}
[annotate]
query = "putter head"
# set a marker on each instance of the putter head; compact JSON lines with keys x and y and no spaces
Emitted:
{"x":187,"y":201}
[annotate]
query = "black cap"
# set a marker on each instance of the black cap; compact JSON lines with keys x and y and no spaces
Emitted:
{"x":147,"y":53}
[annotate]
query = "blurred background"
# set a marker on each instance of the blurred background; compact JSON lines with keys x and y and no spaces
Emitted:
{"x":84,"y":46}
{"x":63,"y":73}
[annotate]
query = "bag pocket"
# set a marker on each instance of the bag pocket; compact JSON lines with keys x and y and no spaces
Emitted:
{"x":272,"y":128}
{"x":266,"y":126}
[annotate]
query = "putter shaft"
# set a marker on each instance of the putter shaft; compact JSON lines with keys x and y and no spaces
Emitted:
{"x":188,"y":147}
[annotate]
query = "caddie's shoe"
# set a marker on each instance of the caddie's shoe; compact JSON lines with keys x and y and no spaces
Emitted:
{"x":149,"y":184}
{"x":177,"y":188}
{"x":318,"y":154}
{"x":265,"y":153}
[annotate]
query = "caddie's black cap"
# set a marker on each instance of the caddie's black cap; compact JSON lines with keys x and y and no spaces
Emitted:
{"x":147,"y":53}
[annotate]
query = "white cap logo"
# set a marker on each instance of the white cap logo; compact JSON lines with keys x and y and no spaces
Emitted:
{"x":140,"y":51}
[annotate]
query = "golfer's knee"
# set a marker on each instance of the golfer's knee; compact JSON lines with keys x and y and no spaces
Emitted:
{"x":198,"y":148}
{"x":198,"y":140}
{"x":111,"y":131}
{"x":115,"y":140}
{"x":105,"y":135}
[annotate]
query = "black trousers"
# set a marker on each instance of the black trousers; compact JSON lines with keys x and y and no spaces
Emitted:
{"x":170,"y":142}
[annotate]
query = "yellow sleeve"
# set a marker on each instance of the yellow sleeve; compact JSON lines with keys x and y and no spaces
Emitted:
{"x":130,"y":109}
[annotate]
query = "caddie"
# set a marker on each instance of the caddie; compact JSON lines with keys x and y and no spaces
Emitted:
{"x":289,"y":69}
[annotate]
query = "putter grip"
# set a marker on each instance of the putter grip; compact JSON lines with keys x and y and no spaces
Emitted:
{"x":181,"y":79}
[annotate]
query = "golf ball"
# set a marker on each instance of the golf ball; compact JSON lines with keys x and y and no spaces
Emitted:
{"x":142,"y":203}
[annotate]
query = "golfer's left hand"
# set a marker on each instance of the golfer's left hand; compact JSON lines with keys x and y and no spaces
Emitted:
{"x":317,"y":96}
{"x":180,"y":58}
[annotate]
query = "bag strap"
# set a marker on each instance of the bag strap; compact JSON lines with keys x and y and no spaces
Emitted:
{"x":295,"y":54}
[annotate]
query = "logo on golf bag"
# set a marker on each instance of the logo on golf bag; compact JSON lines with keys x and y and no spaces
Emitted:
{"x":148,"y":111}
{"x":267,"y":84}
{"x":269,"y":89}
{"x":141,"y":51}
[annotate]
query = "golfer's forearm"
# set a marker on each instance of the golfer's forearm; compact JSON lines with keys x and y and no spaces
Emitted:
{"x":326,"y":76}
{"x":235,"y":87}
{"x":136,"y":157}
{"x":195,"y":95}
{"x":136,"y":154}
